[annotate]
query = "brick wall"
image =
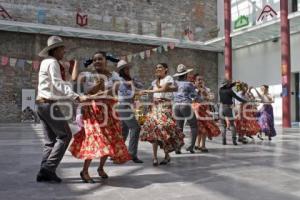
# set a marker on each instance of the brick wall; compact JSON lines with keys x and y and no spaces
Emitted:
{"x":150,"y":17}
{"x":27,"y":46}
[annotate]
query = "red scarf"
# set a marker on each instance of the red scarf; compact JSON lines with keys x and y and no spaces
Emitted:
{"x":62,"y":72}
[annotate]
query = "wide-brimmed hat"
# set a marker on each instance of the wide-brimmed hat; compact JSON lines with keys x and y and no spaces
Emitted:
{"x":122,"y":64}
{"x":52,"y":43}
{"x":181,"y":70}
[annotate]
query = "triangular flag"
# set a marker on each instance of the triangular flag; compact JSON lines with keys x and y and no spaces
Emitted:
{"x":142,"y":55}
{"x":36,"y":65}
{"x":129,"y":58}
{"x":29,"y":61}
{"x":123,"y":58}
{"x":165,"y":47}
{"x":4,"y":60}
{"x":155,"y":49}
{"x":148,"y":53}
{"x":12,"y":62}
{"x":20,"y":64}
{"x":159,"y":49}
{"x":172,"y":45}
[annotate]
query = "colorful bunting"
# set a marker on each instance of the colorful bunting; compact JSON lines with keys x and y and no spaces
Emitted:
{"x":129,"y":58}
{"x":142,"y":55}
{"x":4,"y":60}
{"x":172,"y":45}
{"x":165,"y":47}
{"x":36,"y":65}
{"x":20,"y":64}
{"x":159,"y":49}
{"x":12,"y":62}
{"x":148,"y":53}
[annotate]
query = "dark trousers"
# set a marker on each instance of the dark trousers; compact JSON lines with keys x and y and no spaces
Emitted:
{"x":184,"y":112}
{"x":130,"y":126}
{"x":57,"y":135}
{"x":226,"y":111}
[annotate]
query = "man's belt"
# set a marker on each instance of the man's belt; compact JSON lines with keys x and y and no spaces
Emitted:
{"x":43,"y":100}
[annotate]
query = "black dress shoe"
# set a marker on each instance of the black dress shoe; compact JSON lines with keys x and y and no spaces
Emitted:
{"x":191,"y":150}
{"x":224,"y":141}
{"x":46,"y":175}
{"x":234,"y":142}
{"x":136,"y":160}
{"x":204,"y":150}
{"x":42,"y":178}
{"x":177,"y":152}
{"x":243,"y":140}
{"x":165,"y":161}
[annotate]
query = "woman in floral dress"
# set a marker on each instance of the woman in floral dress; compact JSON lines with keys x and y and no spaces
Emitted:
{"x":100,"y":136}
{"x":159,"y":127}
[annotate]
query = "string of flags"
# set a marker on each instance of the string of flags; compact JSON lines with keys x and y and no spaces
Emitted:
{"x":21,"y":63}
{"x":147,"y":53}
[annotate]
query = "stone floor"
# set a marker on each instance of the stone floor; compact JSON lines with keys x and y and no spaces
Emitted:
{"x":260,"y":170}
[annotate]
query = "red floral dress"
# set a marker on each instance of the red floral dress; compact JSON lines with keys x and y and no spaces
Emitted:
{"x":246,"y":123}
{"x":206,"y":125}
{"x":101,"y":133}
{"x":160,"y":127}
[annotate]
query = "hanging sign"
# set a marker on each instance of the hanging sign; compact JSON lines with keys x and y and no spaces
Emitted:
{"x":266,"y":12}
{"x":81,"y":20}
{"x":241,"y":22}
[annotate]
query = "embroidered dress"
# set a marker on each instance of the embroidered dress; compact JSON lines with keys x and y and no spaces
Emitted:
{"x":266,"y":120}
{"x":246,"y":123}
{"x":101,"y":133}
{"x":159,"y":125}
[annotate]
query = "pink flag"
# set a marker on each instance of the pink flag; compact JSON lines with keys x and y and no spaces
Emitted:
{"x":172,"y":45}
{"x":4,"y":60}
{"x":36,"y":65}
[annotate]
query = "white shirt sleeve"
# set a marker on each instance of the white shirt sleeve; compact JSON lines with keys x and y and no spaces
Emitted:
{"x":61,"y":86}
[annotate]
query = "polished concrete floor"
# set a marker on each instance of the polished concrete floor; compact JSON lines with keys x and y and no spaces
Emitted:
{"x":257,"y":171}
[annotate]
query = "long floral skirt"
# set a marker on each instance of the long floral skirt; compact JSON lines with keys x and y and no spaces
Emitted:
{"x":160,"y":127}
{"x":266,"y":120}
{"x":246,"y":123}
{"x":101,"y":133}
{"x":206,"y":125}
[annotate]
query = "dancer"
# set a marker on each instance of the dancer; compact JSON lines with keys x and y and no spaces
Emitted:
{"x":101,"y":134}
{"x":183,"y":99}
{"x":246,"y":123}
{"x":226,"y":98}
{"x":206,"y":124}
{"x":266,"y":114}
{"x":160,"y":128}
{"x":126,"y":92}
{"x":51,"y":88}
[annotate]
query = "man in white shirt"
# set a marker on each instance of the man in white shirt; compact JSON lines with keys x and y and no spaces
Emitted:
{"x":51,"y":88}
